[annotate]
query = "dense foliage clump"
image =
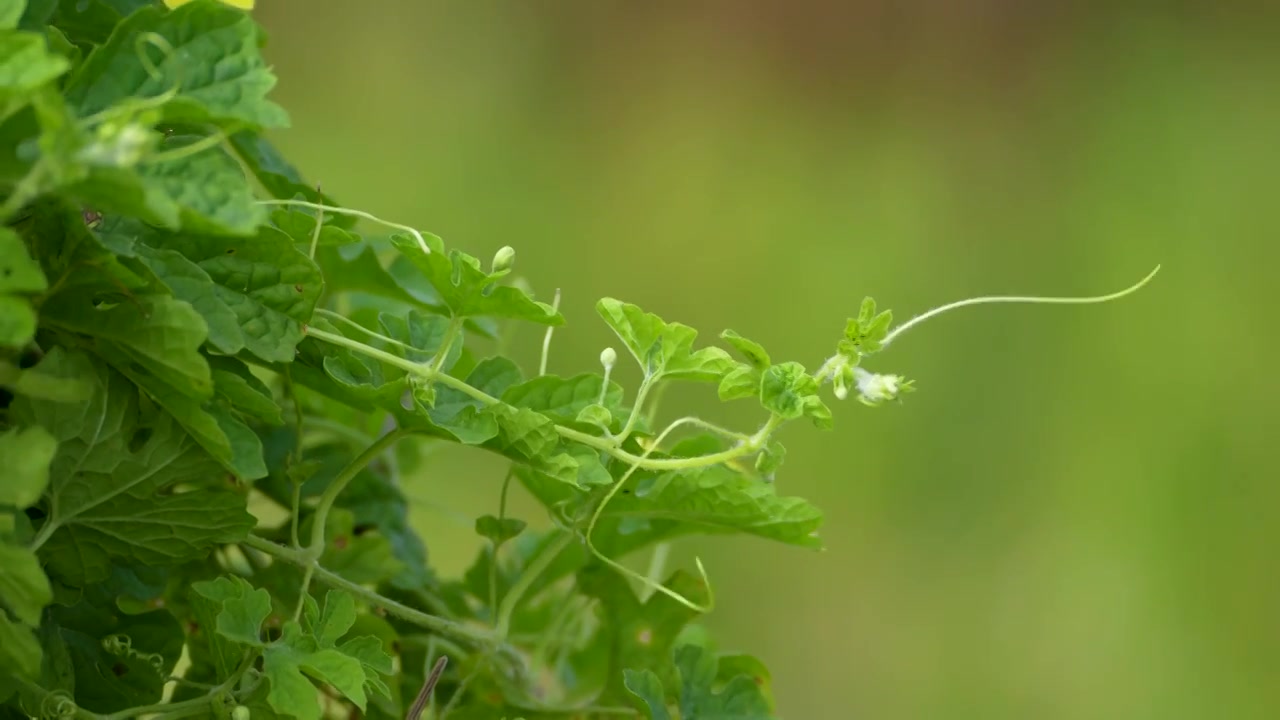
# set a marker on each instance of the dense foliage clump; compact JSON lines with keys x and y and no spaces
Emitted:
{"x":212,"y":381}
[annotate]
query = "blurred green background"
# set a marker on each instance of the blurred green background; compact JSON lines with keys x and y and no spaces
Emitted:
{"x":1075,"y":516}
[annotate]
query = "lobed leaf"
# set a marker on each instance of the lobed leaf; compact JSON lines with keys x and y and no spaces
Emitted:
{"x":268,"y":286}
{"x":115,"y":454}
{"x":158,"y":333}
{"x":663,"y":349}
{"x":241,"y":608}
{"x":638,"y":634}
{"x":279,"y":177}
{"x":468,"y":291}
{"x":711,"y":500}
{"x":111,"y":675}
{"x":24,"y":588}
{"x":27,"y":453}
{"x":739,"y":699}
{"x":213,"y":61}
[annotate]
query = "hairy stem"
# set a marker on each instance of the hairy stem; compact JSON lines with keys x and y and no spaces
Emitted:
{"x":602,"y":444}
{"x":481,"y":637}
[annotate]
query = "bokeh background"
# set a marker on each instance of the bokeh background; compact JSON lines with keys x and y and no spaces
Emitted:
{"x":1076,"y":516}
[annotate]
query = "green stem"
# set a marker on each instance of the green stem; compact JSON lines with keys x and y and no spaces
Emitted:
{"x":481,"y":637}
{"x":197,"y":704}
{"x":315,"y":234}
{"x":657,"y":565}
{"x":493,"y":553}
{"x":601,"y":444}
{"x":527,"y":578}
{"x":46,"y":531}
{"x":304,"y":590}
{"x":460,"y":690}
{"x":636,"y":409}
{"x":546,"y":339}
{"x":340,"y":483}
{"x":450,"y":335}
{"x":422,"y":243}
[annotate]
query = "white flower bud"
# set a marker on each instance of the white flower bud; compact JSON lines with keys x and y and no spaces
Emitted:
{"x":608,"y":357}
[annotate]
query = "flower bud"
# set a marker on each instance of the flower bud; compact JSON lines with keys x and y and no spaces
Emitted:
{"x":240,"y":712}
{"x":608,"y":357}
{"x":504,"y":259}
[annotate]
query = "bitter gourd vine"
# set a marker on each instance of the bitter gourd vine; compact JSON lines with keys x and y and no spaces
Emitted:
{"x":214,"y":379}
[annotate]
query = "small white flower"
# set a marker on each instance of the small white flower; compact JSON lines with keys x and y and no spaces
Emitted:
{"x":876,"y":388}
{"x":608,"y":357}
{"x":119,"y":147}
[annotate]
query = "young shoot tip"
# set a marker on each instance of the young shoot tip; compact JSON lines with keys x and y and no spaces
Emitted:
{"x":1022,"y":299}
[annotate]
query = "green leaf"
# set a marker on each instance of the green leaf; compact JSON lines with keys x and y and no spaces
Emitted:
{"x":712,"y":500}
{"x":27,"y":453}
{"x":19,"y":650}
{"x":363,"y":272}
{"x":120,"y":661}
{"x":300,"y":227}
{"x":310,"y":650}
{"x":464,"y":416}
{"x":279,"y":176}
{"x":638,"y":634}
{"x":208,"y":647}
{"x":213,"y":61}
{"x":17,"y":321}
{"x":363,"y":557}
{"x":242,"y":608}
{"x":26,"y":64}
{"x":743,"y":381}
{"x":865,"y":334}
{"x":369,"y":651}
{"x":663,"y":349}
{"x":207,"y":188}
{"x":595,"y":414}
{"x":191,"y":284}
{"x":159,"y":333}
{"x":699,"y":697}
{"x":424,"y":333}
{"x":24,"y":589}
{"x":116,"y":454}
{"x":201,"y":190}
{"x":564,"y":399}
{"x":785,"y":389}
{"x":223,"y":435}
{"x":333,"y":620}
{"x":527,"y":434}
{"x":19,"y":272}
{"x":645,"y":685}
{"x":233,"y":382}
{"x":10,"y":13}
{"x":753,"y":352}
{"x":468,"y":291}
{"x":499,"y":531}
{"x":770,"y":458}
{"x":268,"y":285}
{"x":376,"y":502}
